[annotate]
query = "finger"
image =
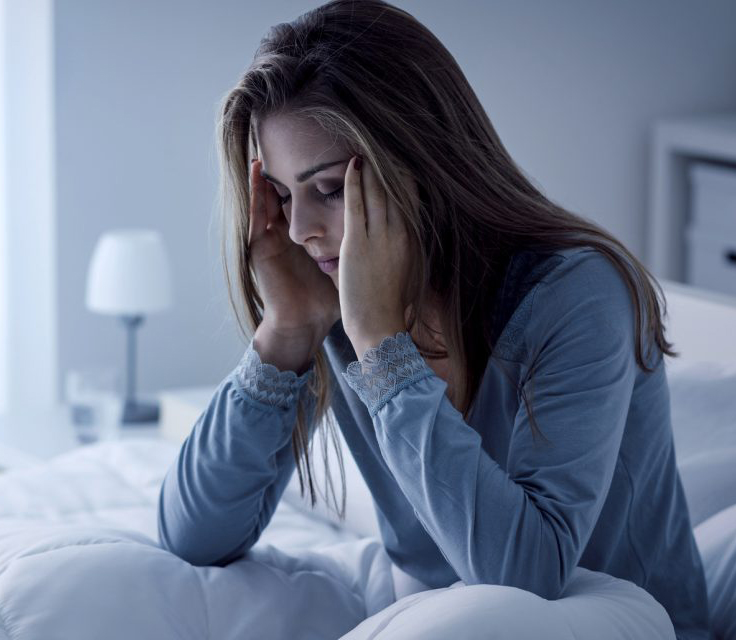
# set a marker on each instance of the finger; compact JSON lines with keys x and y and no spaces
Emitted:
{"x":374,"y":197}
{"x":273,"y":205}
{"x":258,"y":219}
{"x":355,"y":223}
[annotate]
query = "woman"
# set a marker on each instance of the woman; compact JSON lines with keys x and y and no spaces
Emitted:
{"x":494,"y":361}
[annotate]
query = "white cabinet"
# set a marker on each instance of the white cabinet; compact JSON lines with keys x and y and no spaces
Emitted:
{"x":710,"y":233}
{"x":689,"y":235}
{"x":711,"y":261}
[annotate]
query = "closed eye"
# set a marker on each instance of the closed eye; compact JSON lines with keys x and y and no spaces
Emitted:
{"x":326,"y":197}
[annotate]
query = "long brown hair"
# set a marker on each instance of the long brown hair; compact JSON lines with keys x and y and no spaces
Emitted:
{"x":372,"y":75}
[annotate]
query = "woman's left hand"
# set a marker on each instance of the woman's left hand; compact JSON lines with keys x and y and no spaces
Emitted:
{"x":374,"y":261}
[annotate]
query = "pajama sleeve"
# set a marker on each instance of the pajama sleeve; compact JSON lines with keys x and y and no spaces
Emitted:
{"x":527,"y":523}
{"x":232,"y":469}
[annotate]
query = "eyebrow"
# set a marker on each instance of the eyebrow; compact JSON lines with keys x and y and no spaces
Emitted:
{"x":305,"y":175}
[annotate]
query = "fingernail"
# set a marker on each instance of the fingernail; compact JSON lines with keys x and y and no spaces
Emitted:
{"x":358,"y":163}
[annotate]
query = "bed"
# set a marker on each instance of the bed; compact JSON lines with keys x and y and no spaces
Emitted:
{"x":79,"y":552}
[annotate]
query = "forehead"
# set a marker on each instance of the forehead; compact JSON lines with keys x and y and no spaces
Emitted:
{"x":288,"y":140}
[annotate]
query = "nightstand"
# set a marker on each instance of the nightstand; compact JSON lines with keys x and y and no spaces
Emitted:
{"x":180,"y":410}
{"x":41,"y":434}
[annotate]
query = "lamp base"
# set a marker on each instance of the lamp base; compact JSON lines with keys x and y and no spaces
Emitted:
{"x":136,"y":412}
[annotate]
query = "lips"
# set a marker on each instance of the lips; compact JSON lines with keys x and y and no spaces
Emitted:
{"x":328,"y":266}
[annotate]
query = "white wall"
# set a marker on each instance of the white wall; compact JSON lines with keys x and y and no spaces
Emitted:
{"x":571,"y":86}
{"x":30,"y":351}
{"x":137,"y":89}
{"x":3,"y":213}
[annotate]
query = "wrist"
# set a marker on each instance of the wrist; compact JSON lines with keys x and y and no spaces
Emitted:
{"x":365,"y":341}
{"x":288,"y":349}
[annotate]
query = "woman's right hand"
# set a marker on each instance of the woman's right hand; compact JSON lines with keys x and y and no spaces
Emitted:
{"x":297,"y":295}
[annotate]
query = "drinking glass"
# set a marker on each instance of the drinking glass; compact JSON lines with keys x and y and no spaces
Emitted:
{"x":93,"y":395}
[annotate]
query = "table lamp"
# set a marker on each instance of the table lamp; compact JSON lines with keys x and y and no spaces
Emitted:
{"x":129,"y":277}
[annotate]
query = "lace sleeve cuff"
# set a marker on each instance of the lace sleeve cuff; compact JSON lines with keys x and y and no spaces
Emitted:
{"x":385,"y":370}
{"x":264,"y":382}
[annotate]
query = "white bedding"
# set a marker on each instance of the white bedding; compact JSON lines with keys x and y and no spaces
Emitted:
{"x":79,"y":558}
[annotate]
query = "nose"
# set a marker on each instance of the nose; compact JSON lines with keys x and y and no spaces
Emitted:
{"x":305,"y":222}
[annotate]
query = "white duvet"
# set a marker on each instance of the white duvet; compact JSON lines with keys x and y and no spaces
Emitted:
{"x":79,"y":556}
{"x":79,"y":559}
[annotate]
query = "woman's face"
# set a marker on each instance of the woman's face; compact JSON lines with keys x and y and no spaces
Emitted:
{"x":307,"y":168}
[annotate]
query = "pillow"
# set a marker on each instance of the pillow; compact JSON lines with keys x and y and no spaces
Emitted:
{"x":716,"y":540}
{"x":703,"y":410}
{"x":703,"y":406}
{"x":709,"y":481}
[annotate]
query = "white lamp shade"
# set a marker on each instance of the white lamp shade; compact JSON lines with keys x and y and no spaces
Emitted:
{"x":129,"y":273}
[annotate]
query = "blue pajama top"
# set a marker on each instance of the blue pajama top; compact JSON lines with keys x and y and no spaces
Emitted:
{"x":480,"y":501}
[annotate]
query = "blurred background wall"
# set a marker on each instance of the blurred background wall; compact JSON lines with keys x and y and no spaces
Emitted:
{"x":571,"y":86}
